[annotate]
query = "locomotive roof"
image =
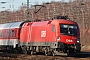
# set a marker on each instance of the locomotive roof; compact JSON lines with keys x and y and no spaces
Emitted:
{"x":55,"y":22}
{"x":10,"y":25}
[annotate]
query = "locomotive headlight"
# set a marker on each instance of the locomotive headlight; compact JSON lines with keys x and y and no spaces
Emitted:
{"x":78,"y":40}
{"x":58,"y":38}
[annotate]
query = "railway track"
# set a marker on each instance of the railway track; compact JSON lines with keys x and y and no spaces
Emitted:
{"x":11,"y":56}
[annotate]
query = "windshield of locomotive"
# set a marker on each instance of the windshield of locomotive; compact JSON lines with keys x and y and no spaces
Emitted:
{"x":68,"y":29}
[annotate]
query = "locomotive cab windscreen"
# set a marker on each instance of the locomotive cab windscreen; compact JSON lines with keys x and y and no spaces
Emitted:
{"x":68,"y":29}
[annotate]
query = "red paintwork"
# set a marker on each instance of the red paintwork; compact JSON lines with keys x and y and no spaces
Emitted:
{"x":31,"y":32}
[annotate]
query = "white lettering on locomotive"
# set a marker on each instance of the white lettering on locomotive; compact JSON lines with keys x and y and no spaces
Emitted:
{"x":43,"y":33}
{"x":69,"y":40}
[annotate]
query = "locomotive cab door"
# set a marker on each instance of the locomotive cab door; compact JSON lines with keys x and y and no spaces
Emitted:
{"x":52,"y":36}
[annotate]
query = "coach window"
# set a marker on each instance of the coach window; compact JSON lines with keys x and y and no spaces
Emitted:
{"x":53,"y":28}
{"x":13,"y":33}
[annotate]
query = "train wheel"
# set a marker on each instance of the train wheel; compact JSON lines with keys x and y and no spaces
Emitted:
{"x":53,"y":54}
{"x":46,"y":53}
{"x":24,"y":50}
{"x":31,"y":53}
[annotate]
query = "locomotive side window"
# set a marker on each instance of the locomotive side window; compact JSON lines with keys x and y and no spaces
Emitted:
{"x":53,"y":28}
{"x":68,"y":29}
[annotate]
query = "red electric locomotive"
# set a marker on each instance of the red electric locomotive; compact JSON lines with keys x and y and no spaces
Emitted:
{"x":52,"y":37}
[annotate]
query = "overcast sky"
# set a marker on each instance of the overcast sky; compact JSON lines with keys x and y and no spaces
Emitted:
{"x":15,"y":4}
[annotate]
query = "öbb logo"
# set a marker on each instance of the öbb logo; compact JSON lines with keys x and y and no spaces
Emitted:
{"x":69,"y":40}
{"x":43,"y":33}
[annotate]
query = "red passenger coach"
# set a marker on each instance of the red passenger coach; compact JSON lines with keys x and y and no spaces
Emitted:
{"x":10,"y":34}
{"x":51,"y":37}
